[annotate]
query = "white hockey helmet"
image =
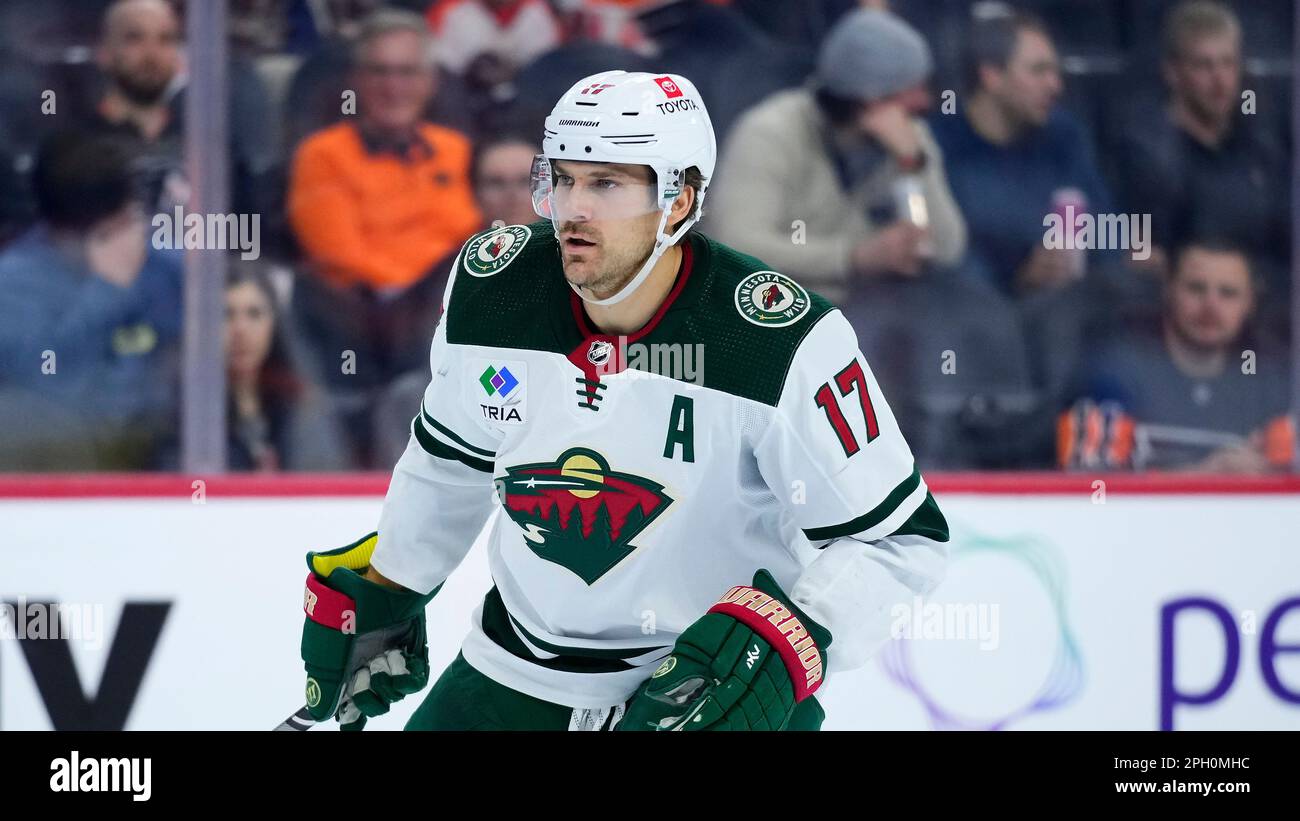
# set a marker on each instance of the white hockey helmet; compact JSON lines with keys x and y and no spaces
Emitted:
{"x":634,"y":118}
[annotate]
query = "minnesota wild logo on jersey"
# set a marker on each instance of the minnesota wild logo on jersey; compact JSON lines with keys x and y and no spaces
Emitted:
{"x":577,"y":512}
{"x":771,"y":299}
{"x":488,"y":253}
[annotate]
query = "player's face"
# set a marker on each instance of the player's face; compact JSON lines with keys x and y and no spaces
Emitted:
{"x":607,"y":217}
{"x":1031,"y":83}
{"x":250,"y":326}
{"x":1207,"y":75}
{"x":1210,"y":298}
{"x":141,"y":49}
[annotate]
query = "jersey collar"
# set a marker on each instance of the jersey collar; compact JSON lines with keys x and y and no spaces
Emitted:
{"x":599,"y":355}
{"x":683,"y":276}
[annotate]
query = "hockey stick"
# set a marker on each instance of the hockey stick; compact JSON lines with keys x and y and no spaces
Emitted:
{"x":300,"y":722}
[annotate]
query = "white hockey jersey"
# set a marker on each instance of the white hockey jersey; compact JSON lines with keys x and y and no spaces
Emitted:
{"x":640,"y":477}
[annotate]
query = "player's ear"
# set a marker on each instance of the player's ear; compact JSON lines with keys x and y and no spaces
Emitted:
{"x":682,"y":205}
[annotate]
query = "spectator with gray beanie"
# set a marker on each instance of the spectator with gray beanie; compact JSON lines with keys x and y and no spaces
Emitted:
{"x":811,"y":177}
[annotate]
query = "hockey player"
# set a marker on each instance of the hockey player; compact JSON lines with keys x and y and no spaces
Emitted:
{"x":673,"y":547}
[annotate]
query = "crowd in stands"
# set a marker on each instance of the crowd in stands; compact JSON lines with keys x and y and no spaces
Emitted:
{"x":904,"y":158}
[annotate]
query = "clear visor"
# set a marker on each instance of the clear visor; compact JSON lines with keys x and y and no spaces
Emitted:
{"x":570,"y":191}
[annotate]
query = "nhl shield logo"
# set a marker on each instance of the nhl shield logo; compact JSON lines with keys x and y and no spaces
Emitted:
{"x":599,"y":352}
{"x":770,"y":299}
{"x":577,"y":512}
{"x":488,"y":253}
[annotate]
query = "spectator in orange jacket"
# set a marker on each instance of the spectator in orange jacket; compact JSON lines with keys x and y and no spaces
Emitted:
{"x":376,"y":200}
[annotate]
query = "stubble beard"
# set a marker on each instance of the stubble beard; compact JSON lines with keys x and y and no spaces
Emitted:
{"x":1186,"y":336}
{"x":614,"y":274}
{"x":141,"y":92}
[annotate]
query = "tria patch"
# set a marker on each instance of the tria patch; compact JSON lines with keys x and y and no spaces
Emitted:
{"x":488,"y":253}
{"x":501,"y":392}
{"x":770,"y":299}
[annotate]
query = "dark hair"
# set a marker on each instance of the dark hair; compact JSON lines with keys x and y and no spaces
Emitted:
{"x":482,"y":147}
{"x":993,"y":38}
{"x":279,"y":384}
{"x":80,"y":179}
{"x":1213,"y":244}
{"x":1218,"y":245}
{"x":693,"y":178}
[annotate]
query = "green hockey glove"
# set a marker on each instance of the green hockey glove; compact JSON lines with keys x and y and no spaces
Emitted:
{"x":364,"y":645}
{"x":743,"y":666}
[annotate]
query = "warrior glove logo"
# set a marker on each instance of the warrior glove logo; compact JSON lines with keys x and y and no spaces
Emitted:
{"x":782,"y":629}
{"x":577,"y":512}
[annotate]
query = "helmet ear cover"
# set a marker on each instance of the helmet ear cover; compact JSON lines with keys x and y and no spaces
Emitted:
{"x":670,"y":182}
{"x":542,"y":184}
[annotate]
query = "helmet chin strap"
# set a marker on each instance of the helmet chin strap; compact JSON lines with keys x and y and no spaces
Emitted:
{"x":662,"y":242}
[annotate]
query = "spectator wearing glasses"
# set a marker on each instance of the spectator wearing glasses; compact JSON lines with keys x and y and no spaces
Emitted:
{"x":1014,"y":155}
{"x":376,"y":202}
